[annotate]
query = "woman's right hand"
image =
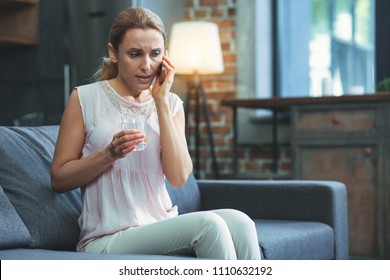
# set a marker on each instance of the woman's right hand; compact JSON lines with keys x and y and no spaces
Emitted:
{"x":124,"y":142}
{"x":69,"y":169}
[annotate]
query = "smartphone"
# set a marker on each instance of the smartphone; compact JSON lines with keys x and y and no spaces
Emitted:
{"x":161,"y":74}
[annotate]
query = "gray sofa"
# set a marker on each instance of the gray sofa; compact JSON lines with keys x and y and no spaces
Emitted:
{"x":294,"y":219}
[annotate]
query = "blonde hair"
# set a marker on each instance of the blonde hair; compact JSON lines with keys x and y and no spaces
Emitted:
{"x":131,"y":18}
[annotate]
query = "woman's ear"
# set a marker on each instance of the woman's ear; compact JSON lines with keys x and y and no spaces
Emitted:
{"x":112,"y":53}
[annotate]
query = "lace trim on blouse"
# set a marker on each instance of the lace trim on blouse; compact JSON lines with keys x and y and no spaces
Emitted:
{"x":127,"y":108}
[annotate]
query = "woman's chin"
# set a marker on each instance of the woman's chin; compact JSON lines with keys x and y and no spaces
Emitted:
{"x":144,"y":84}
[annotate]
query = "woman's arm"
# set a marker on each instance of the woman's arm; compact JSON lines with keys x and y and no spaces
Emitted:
{"x":176,"y":160}
{"x":69,"y":171}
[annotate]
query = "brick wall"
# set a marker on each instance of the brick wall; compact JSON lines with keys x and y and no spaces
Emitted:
{"x":216,"y":87}
{"x":223,"y":86}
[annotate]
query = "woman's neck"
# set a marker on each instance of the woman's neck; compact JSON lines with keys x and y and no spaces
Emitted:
{"x":123,"y":90}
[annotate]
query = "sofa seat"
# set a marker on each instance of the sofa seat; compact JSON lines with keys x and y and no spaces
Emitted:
{"x":279,"y":239}
{"x":291,"y":240}
{"x":44,"y":254}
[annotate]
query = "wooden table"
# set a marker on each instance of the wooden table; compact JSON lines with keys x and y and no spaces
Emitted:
{"x":285,"y":104}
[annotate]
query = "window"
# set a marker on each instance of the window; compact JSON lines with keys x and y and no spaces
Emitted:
{"x":325,"y":47}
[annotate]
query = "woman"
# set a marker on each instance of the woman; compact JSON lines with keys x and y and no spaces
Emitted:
{"x":126,"y":207}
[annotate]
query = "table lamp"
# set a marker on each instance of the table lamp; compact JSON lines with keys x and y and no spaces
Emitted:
{"x":195,"y":49}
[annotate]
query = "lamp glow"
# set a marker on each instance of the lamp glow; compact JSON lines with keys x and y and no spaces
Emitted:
{"x":195,"y":48}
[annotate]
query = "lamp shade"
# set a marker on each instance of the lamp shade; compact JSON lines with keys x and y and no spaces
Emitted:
{"x":195,"y":47}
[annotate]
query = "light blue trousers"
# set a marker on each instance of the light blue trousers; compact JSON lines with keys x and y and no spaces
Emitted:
{"x":216,"y":234}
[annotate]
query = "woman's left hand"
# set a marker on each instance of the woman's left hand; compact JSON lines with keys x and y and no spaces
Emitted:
{"x":164,"y":79}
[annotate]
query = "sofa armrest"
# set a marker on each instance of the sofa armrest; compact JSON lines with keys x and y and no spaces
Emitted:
{"x":320,"y":201}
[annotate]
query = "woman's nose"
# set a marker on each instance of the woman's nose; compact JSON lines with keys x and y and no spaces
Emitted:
{"x":146,"y":64}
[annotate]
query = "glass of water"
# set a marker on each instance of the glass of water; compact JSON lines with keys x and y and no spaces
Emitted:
{"x":138,"y":123}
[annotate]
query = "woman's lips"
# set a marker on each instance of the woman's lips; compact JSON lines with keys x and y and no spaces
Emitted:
{"x":144,"y":78}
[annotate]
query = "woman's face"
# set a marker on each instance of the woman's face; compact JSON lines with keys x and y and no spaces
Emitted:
{"x":139,"y":57}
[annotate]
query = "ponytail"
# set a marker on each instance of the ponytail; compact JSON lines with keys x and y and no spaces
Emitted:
{"x":107,"y":70}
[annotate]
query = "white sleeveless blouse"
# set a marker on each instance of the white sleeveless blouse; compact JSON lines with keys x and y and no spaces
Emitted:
{"x":131,"y":192}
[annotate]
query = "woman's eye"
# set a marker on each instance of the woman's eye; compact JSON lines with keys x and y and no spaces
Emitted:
{"x":156,"y":53}
{"x":134,"y":54}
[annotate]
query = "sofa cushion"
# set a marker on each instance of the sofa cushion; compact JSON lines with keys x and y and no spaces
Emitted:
{"x":25,"y":160}
{"x":187,"y":197}
{"x":295,"y":240}
{"x":44,"y":254}
{"x":13,"y":233}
